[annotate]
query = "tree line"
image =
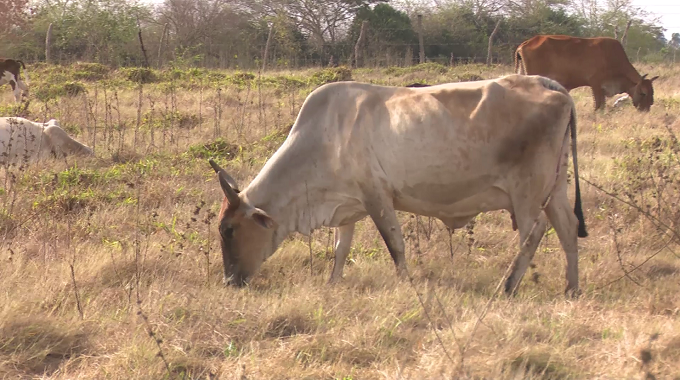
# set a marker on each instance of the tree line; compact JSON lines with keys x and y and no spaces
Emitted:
{"x":303,"y":33}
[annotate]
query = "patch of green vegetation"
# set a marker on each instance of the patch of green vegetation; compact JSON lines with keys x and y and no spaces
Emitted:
{"x":428,"y":67}
{"x":89,"y":71}
{"x":46,"y":92}
{"x":329,"y":75}
{"x":11,"y":109}
{"x":285,"y":81}
{"x":218,"y":148}
{"x":139,"y":75}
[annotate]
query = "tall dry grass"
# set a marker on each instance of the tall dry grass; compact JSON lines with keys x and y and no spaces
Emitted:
{"x":111,"y":266}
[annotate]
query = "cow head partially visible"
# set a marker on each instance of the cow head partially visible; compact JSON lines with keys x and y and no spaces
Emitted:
{"x":643,"y":94}
{"x":246,"y":232}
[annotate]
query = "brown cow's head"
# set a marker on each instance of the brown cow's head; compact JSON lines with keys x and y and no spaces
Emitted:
{"x":246,"y":232}
{"x":643,"y":94}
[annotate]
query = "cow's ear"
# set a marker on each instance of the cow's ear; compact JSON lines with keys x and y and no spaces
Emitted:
{"x":654,"y":78}
{"x":260,"y":217}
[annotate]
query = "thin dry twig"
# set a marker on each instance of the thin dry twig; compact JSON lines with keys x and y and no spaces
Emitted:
{"x":73,"y":273}
{"x":618,"y":252}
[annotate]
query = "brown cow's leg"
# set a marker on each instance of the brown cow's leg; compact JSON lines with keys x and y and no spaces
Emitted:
{"x":598,"y":94}
{"x":343,"y":243}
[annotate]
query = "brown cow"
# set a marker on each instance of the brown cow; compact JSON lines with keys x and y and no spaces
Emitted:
{"x":600,"y":63}
{"x":10,"y":73}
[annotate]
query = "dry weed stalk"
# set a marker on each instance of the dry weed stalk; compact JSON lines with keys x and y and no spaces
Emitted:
{"x":72,"y":266}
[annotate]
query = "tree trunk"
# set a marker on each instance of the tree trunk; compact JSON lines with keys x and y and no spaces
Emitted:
{"x":48,"y":44}
{"x":420,"y":39}
{"x":359,"y":45}
{"x":160,"y":46}
{"x":408,"y":58}
{"x":141,"y":44}
{"x":493,"y":34}
{"x":266,"y":48}
{"x":624,"y":39}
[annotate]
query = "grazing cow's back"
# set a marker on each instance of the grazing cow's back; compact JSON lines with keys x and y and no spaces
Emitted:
{"x":600,"y":63}
{"x":449,"y":151}
{"x":24,"y":141}
{"x":10,"y":72}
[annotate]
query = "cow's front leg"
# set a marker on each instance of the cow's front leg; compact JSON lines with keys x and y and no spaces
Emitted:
{"x":381,"y":210}
{"x":343,"y":243}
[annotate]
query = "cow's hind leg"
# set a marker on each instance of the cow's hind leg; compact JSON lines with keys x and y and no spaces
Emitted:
{"x":343,"y":243}
{"x":565,"y":223}
{"x":531,"y":223}
{"x":381,"y":210}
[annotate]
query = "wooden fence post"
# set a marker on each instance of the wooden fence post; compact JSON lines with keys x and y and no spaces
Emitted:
{"x":266,"y":48}
{"x":48,"y":44}
{"x":493,"y":34}
{"x":420,"y":39}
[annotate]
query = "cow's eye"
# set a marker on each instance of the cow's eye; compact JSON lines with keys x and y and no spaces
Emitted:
{"x":229,"y":232}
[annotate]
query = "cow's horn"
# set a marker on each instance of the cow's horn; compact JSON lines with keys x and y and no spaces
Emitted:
{"x":643,"y":77}
{"x":226,"y":182}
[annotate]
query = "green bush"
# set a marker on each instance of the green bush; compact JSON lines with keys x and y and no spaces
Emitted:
{"x":47,"y":92}
{"x":218,"y":148}
{"x":139,"y":75}
{"x":90,"y":71}
{"x":332,"y":74}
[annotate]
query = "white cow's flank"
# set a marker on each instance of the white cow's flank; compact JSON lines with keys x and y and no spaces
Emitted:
{"x":24,"y":141}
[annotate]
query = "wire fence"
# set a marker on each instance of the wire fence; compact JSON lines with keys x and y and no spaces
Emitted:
{"x":384,"y":47}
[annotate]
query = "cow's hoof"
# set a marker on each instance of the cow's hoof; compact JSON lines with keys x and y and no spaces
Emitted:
{"x":572,"y":293}
{"x":510,"y":288}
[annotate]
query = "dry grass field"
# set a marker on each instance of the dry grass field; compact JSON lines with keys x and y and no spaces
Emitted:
{"x":111,"y":268}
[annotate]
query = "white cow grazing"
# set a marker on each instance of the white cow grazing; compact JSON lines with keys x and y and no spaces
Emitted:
{"x":449,"y":151}
{"x":23,"y":141}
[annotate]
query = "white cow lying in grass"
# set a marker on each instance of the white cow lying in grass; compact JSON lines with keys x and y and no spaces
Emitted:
{"x":23,"y":141}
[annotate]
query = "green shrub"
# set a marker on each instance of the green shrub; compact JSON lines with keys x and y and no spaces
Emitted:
{"x":332,"y":74}
{"x":47,"y":92}
{"x":139,"y":75}
{"x":218,"y":148}
{"x":90,"y":71}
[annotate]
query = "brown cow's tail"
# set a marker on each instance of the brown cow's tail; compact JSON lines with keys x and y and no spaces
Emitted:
{"x":578,"y":210}
{"x":519,"y":64}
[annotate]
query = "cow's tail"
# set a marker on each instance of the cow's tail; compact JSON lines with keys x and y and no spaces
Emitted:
{"x":578,"y":210}
{"x":519,"y":64}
